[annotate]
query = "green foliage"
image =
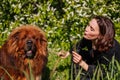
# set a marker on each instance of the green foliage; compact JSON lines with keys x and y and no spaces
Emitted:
{"x":62,"y":20}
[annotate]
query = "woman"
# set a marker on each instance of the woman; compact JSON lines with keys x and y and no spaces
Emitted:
{"x":98,"y":46}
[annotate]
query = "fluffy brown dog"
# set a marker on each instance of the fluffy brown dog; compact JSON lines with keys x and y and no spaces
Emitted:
{"x":25,"y":47}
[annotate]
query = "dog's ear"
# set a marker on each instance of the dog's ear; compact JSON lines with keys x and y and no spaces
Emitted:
{"x":44,"y":39}
{"x":41,"y":44}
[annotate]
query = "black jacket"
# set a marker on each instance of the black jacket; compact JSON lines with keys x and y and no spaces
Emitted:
{"x":93,"y":57}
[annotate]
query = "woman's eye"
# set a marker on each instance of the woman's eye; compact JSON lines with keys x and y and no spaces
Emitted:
{"x":91,"y":28}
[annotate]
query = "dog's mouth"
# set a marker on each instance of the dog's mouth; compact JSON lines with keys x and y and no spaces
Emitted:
{"x":30,"y":54}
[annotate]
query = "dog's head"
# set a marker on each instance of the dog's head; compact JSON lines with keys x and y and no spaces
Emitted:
{"x":27,"y":41}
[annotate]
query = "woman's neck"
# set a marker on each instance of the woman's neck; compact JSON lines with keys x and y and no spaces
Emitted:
{"x":93,"y":45}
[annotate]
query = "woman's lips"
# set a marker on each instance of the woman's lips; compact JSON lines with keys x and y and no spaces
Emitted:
{"x":85,"y":33}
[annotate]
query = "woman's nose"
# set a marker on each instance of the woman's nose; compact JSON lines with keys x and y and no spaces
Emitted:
{"x":87,"y":28}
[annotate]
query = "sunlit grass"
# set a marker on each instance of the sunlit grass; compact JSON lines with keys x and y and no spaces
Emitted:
{"x":59,"y":69}
{"x":113,"y":73}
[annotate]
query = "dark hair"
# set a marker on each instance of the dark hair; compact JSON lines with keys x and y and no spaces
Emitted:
{"x":107,"y":33}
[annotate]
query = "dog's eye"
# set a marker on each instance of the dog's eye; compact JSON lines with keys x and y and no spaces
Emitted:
{"x":33,"y":37}
{"x":23,"y":37}
{"x":36,"y":39}
{"x":16,"y":35}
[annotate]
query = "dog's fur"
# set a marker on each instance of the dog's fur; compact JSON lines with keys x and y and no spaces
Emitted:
{"x":25,"y":47}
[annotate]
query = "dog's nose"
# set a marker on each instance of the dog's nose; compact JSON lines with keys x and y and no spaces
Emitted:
{"x":29,"y":42}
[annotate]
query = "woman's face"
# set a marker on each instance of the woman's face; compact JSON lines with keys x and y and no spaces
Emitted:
{"x":92,"y":30}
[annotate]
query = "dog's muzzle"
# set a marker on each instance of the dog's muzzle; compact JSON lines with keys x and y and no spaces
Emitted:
{"x":30,"y":49}
{"x":29,"y":44}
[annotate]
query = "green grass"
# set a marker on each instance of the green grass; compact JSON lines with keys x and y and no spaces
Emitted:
{"x":59,"y":73}
{"x":59,"y":69}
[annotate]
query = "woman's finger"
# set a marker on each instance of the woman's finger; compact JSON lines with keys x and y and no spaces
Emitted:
{"x":77,"y":58}
{"x":76,"y":55}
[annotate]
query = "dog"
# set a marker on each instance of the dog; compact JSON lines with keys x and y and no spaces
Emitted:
{"x":24,"y":52}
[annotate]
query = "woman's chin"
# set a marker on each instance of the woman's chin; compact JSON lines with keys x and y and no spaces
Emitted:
{"x":86,"y":37}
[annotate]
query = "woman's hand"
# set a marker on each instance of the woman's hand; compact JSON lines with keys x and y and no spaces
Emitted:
{"x":63,"y":54}
{"x":78,"y":60}
{"x":76,"y":57}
